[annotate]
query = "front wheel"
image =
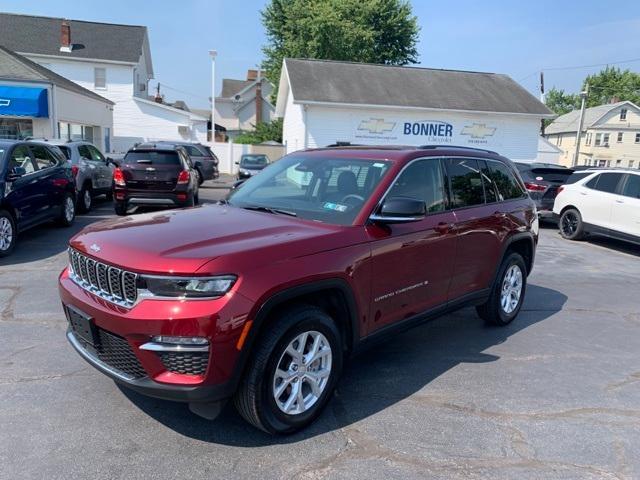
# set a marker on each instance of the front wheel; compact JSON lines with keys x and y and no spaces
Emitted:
{"x":68,"y":211}
{"x":292,"y":373}
{"x":570,"y":224}
{"x":507,"y":294}
{"x":85,"y":199}
{"x":8,"y":233}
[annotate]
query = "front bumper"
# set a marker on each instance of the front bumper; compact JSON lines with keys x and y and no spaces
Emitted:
{"x":221,"y":321}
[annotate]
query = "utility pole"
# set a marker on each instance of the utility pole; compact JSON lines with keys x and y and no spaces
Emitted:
{"x":542,"y":99}
{"x":213,"y":54}
{"x":583,"y":96}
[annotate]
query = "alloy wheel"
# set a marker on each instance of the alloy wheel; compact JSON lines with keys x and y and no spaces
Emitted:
{"x":86,"y":199}
{"x":69,"y":209}
{"x":569,"y":223}
{"x":302,"y":373}
{"x":511,"y":289}
{"x":6,"y":233}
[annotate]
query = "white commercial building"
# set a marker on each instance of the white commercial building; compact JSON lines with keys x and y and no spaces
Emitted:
{"x":113,"y":61}
{"x":36,"y":102}
{"x":327,"y":102}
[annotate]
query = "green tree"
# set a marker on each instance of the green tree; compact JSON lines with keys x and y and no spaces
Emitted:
{"x":612,"y":83}
{"x":560,"y":102}
{"x":263,"y":132}
{"x":371,"y":31}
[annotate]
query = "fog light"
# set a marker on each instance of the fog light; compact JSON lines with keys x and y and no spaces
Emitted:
{"x":164,"y":343}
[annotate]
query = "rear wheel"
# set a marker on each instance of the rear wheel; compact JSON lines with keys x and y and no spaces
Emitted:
{"x":121,"y":209}
{"x":8,"y":234}
{"x":109,"y":195}
{"x":507,"y":294}
{"x":570,"y":224}
{"x":68,"y":211}
{"x":85,"y":199}
{"x":199,"y":177}
{"x":292,"y":373}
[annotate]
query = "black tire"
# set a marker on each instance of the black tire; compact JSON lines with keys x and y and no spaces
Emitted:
{"x":85,"y":199}
{"x":120,"y":208}
{"x":570,"y":224}
{"x":492,"y":311}
{"x":67,"y":211}
{"x":109,"y":195}
{"x":200,"y":177}
{"x":255,"y":399}
{"x":196,"y":198}
{"x":7,"y":229}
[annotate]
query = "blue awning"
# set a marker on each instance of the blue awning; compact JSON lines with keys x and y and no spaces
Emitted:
{"x":23,"y":101}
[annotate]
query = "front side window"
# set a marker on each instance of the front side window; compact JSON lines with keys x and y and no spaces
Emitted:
{"x":43,"y":157}
{"x":505,"y":182}
{"x":83,"y":151}
{"x":632,"y":186}
{"x":465,"y":182}
{"x":21,"y":157}
{"x":95,"y":153}
{"x":100,"y":78}
{"x":330,"y":190}
{"x":605,"y":182}
{"x":421,"y":180}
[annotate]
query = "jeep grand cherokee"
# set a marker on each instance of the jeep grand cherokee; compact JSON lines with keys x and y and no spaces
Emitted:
{"x":321,"y":254}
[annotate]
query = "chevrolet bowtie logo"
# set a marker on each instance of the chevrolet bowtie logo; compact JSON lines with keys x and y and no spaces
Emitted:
{"x":5,"y":102}
{"x":478,"y":130}
{"x":376,"y":125}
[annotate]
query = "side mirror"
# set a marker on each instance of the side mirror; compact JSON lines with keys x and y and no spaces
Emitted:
{"x":16,"y":173}
{"x":237,"y":163}
{"x":400,"y":210}
{"x":113,"y":162}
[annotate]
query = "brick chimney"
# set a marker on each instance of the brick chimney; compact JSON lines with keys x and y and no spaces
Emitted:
{"x":259,"y":101}
{"x":252,"y":75}
{"x":614,"y":100}
{"x":65,"y":37}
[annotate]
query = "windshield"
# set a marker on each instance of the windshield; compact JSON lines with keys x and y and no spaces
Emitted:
{"x":331,"y":190}
{"x":253,"y":161}
{"x":154,"y":157}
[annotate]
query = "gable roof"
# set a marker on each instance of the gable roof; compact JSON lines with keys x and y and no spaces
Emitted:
{"x":231,"y":87}
{"x":350,"y":83}
{"x":568,"y":122}
{"x":103,"y":41}
{"x":16,"y":67}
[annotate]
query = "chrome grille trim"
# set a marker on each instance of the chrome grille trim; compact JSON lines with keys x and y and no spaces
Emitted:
{"x":107,"y":282}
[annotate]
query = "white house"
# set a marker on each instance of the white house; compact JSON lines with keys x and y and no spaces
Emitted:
{"x":36,"y":102}
{"x":244,"y":103}
{"x":111,"y":60}
{"x":328,"y":102}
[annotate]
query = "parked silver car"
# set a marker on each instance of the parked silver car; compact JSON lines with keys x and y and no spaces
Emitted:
{"x":92,"y":169}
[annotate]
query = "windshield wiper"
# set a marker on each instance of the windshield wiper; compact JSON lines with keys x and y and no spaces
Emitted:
{"x":260,"y":208}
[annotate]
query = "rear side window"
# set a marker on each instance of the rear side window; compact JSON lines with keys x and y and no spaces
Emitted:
{"x":505,"y":182}
{"x":193,"y":151}
{"x":632,"y":186}
{"x":465,"y":182}
{"x":43,"y":157}
{"x":66,"y":151}
{"x":490,"y":188}
{"x":605,"y":182}
{"x":576,"y":177}
{"x":153,"y":157}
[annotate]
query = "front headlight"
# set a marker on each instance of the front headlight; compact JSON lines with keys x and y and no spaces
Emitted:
{"x":245,"y":172}
{"x":186,"y":287}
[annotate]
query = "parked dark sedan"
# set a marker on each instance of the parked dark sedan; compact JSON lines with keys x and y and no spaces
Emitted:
{"x":36,"y":186}
{"x":542,"y":181}
{"x":155,"y":175}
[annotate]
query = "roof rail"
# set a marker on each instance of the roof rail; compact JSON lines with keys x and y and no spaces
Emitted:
{"x":455,"y":147}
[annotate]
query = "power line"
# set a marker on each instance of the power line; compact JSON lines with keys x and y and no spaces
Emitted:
{"x":576,"y":67}
{"x":195,"y":95}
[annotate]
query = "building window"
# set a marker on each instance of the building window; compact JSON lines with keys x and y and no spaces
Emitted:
{"x":75,"y":132}
{"x":623,"y":114}
{"x":588,"y":139}
{"x":637,"y":137}
{"x":605,"y":140}
{"x":559,"y":140}
{"x":15,"y":129}
{"x":598,"y":139}
{"x":618,"y":163}
{"x":630,"y":164}
{"x":620,"y":134}
{"x":100,"y":78}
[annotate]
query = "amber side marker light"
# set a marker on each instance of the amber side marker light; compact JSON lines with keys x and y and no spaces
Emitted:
{"x":243,"y":335}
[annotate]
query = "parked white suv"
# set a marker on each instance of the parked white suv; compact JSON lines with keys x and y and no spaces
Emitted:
{"x":604,"y":202}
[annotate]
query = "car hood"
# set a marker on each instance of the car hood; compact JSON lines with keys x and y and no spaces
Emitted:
{"x":184,"y":241}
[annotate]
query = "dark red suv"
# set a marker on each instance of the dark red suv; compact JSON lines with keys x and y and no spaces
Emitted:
{"x":262,"y":297}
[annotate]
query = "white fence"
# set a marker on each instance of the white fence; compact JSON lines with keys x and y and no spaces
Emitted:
{"x":229,"y":153}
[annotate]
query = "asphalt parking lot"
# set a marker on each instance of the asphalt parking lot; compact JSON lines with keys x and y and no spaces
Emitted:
{"x":554,"y":395}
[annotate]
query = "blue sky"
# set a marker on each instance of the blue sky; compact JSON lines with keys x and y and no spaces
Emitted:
{"x":513,"y":37}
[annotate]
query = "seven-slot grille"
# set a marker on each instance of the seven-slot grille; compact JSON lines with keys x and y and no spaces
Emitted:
{"x":111,"y":283}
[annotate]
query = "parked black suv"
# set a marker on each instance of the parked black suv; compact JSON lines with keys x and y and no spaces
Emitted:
{"x":36,"y":186}
{"x":204,"y":160}
{"x":155,"y":175}
{"x":542,"y":181}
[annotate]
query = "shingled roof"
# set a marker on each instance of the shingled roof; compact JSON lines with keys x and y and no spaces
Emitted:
{"x":103,"y":41}
{"x":367,"y":84}
{"x":16,"y":67}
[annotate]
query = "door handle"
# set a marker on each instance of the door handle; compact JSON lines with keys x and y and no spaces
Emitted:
{"x":499,"y":214}
{"x":443,"y":227}
{"x":619,"y":201}
{"x":583,"y":193}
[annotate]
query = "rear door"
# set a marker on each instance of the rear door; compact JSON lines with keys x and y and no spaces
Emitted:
{"x":625,"y":213}
{"x":50,"y":195}
{"x":152,"y":170}
{"x":105,"y":170}
{"x":412,"y":262}
{"x":22,"y":193}
{"x":596,"y":199}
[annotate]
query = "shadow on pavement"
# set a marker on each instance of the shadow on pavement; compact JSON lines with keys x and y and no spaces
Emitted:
{"x":374,"y":380}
